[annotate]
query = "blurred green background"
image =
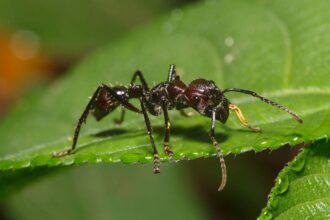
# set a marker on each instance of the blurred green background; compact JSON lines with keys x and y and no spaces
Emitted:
{"x":39,"y":41}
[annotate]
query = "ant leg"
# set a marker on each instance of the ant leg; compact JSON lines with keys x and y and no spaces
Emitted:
{"x":241,"y":118}
{"x":186,"y":114}
{"x":142,"y":80}
{"x":139,"y":74}
{"x":122,"y":101}
{"x":171,"y":73}
{"x":97,"y":95}
{"x":149,"y":130}
{"x":167,"y":149}
{"x":81,"y":120}
{"x":121,"y":119}
{"x":254,"y":94}
{"x":219,"y":153}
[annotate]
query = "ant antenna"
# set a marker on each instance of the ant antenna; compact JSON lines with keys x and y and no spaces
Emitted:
{"x":294,"y":115}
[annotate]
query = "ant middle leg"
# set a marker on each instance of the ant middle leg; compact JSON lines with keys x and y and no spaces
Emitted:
{"x":241,"y":118}
{"x":167,"y":149}
{"x":156,"y":160}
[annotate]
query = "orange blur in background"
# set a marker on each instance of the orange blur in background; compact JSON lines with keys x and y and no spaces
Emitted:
{"x":22,"y":62}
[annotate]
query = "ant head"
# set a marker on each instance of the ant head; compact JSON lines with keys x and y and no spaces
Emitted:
{"x":203,"y":95}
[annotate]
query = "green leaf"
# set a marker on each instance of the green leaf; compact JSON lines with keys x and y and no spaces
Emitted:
{"x":278,"y":51}
{"x":302,"y":188}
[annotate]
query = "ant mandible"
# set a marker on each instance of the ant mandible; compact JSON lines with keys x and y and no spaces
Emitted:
{"x":201,"y":94}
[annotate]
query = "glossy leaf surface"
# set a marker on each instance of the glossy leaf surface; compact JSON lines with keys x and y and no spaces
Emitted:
{"x":302,"y":189}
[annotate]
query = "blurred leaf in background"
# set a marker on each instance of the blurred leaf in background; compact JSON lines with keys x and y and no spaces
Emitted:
{"x":69,"y":28}
{"x":39,"y":40}
{"x":101,"y":192}
{"x":63,"y":32}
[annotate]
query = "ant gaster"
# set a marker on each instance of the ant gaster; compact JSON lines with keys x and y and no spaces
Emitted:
{"x":201,"y":94}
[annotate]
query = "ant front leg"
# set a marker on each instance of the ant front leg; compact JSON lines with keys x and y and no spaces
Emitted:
{"x":167,"y":149}
{"x":219,"y":153}
{"x":149,"y":130}
{"x":171,"y":73}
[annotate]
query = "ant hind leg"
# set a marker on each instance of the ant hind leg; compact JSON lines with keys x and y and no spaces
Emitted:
{"x":81,"y":120}
{"x":103,"y":93}
{"x":120,"y":120}
{"x":139,"y":74}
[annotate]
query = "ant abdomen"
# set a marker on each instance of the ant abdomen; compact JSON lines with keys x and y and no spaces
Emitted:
{"x":105,"y":102}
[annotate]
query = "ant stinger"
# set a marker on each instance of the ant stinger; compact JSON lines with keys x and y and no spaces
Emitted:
{"x":201,"y":94}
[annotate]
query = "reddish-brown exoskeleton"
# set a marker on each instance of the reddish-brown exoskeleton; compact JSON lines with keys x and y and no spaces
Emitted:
{"x":202,"y":95}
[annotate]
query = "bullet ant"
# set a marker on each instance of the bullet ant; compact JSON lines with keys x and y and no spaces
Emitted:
{"x":201,"y":94}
